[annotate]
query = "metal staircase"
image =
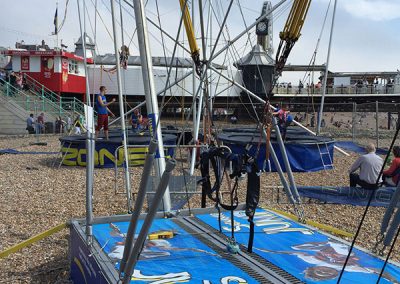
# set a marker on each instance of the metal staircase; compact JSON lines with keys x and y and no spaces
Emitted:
{"x":51,"y":102}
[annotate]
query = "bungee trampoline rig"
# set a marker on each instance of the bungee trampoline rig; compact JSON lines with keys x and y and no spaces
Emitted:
{"x":232,"y":242}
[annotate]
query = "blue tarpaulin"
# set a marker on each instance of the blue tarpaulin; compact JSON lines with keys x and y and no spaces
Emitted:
{"x":303,"y":252}
{"x":16,"y":152}
{"x":348,"y":195}
{"x":351,"y":146}
{"x":302,"y":157}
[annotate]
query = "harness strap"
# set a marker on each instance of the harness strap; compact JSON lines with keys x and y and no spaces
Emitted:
{"x":252,"y":198}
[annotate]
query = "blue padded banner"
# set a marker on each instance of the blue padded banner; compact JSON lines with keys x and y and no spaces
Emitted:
{"x":182,"y":258}
{"x":348,"y":195}
{"x":303,"y":252}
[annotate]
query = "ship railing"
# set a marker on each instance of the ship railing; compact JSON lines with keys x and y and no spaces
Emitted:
{"x":342,"y":89}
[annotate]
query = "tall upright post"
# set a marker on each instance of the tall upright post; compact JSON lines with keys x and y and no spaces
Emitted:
{"x":122,"y":112}
{"x":148,"y":164}
{"x":150,"y":94}
{"x":353,"y":128}
{"x":321,"y":109}
{"x":377,"y":123}
{"x":194,"y":106}
{"x":144,"y":230}
{"x":90,"y":143}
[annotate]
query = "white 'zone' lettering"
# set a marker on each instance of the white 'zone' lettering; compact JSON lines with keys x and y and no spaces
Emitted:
{"x":160,"y":279}
{"x":227,"y":221}
{"x":228,"y":280}
{"x":273,"y":223}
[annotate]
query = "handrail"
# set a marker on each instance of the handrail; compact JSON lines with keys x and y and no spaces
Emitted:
{"x":30,"y":79}
{"x":65,"y":104}
{"x":25,"y":101}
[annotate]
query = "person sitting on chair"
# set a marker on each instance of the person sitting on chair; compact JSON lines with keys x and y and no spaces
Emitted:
{"x":391,"y":175}
{"x":370,"y":166}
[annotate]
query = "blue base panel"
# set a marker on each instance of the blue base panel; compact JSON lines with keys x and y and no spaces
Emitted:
{"x":303,"y":252}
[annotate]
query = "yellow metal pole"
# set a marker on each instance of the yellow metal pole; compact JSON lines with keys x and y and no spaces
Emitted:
{"x":189,"y":28}
{"x":295,"y":20}
{"x":32,"y":240}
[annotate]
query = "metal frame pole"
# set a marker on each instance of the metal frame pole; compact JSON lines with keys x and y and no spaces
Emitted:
{"x":149,"y":90}
{"x":377,"y":122}
{"x":122,"y":111}
{"x":321,"y":109}
{"x":289,"y":172}
{"x":353,"y":129}
{"x":139,"y":243}
{"x":194,"y":105}
{"x":90,"y":142}
{"x":148,"y":164}
{"x":279,"y":170}
{"x":262,"y":101}
{"x":159,"y":93}
{"x":261,"y":18}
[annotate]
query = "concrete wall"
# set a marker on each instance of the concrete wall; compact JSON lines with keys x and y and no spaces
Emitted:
{"x":12,"y":117}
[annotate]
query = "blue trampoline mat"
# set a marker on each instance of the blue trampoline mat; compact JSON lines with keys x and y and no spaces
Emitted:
{"x":353,"y":147}
{"x":182,"y":258}
{"x":303,"y":252}
{"x":16,"y":152}
{"x":348,"y":195}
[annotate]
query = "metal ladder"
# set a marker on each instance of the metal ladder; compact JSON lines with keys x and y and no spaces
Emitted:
{"x":323,"y":153}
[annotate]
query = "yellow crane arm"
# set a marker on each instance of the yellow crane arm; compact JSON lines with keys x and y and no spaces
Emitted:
{"x":190,"y":32}
{"x":290,"y":35}
{"x":295,"y":21}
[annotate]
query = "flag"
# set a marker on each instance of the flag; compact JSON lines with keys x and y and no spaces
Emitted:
{"x":56,"y":22}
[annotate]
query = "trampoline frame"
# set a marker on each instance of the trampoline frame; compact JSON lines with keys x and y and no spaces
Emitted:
{"x":258,"y":266}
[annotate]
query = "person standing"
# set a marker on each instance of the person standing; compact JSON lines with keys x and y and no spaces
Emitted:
{"x":30,"y":122}
{"x":69,"y":124}
{"x":40,"y":124}
{"x":102,"y":111}
{"x":78,"y":125}
{"x":370,"y":166}
{"x":59,"y":124}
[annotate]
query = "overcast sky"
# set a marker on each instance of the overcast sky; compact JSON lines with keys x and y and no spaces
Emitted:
{"x":366,"y":34}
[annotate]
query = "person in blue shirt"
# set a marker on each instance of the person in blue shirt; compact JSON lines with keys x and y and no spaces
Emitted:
{"x":102,"y":111}
{"x":136,"y":121}
{"x":30,"y":122}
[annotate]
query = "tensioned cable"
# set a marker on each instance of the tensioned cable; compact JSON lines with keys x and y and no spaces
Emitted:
{"x":64,"y":18}
{"x":104,"y":24}
{"x":388,"y":256}
{"x":170,"y":91}
{"x":311,"y":65}
{"x":368,"y":204}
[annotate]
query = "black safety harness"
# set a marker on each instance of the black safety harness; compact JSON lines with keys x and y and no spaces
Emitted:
{"x":220,"y":158}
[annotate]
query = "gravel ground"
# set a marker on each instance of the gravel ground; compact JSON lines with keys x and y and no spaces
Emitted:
{"x":36,"y":196}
